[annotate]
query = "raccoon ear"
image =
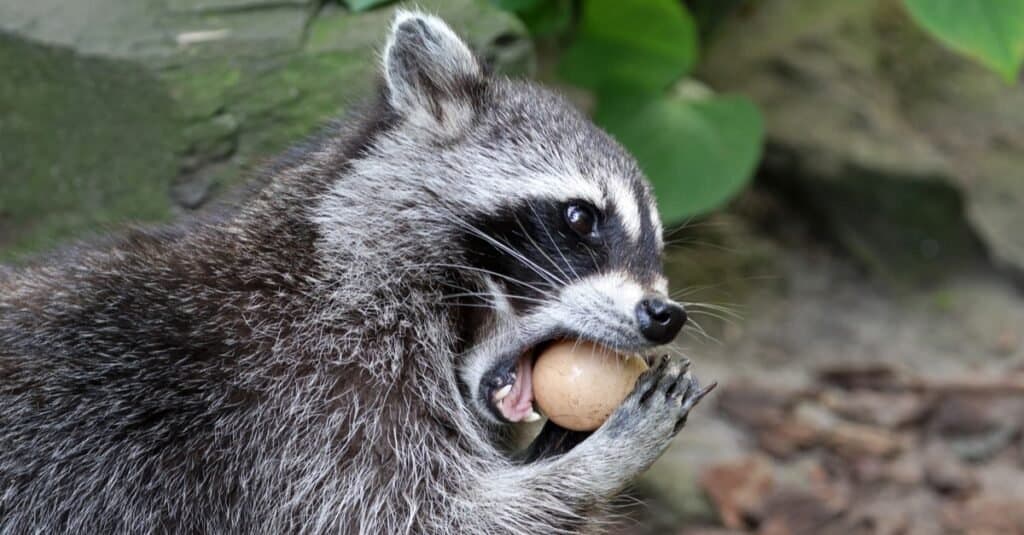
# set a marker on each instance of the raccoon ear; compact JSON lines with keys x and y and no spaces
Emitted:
{"x":428,"y":69}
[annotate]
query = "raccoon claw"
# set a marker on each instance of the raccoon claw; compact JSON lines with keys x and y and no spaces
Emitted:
{"x":690,"y":397}
{"x":648,"y":382}
{"x":663,"y":397}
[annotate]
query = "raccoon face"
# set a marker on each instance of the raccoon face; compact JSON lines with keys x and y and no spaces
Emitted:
{"x":553,"y":230}
{"x":560,"y":269}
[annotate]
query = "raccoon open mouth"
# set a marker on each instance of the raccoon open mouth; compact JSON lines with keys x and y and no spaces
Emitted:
{"x":507,"y":389}
{"x":510,"y":387}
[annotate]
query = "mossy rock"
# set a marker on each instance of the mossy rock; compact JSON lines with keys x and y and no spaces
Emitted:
{"x":116,"y":111}
{"x":84,"y":142}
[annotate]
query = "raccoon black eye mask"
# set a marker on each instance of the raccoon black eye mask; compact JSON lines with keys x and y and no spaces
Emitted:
{"x":345,"y":349}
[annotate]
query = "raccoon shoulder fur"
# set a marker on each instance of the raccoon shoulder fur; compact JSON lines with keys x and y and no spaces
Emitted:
{"x":344,"y":351}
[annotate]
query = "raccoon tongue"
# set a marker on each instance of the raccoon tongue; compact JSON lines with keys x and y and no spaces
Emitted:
{"x":518,"y":404}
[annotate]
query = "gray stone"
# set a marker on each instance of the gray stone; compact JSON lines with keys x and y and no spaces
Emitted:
{"x":907,"y":152}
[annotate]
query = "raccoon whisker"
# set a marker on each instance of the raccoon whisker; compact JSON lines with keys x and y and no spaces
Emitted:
{"x":518,"y":255}
{"x":677,"y":351}
{"x":724,"y":309}
{"x":555,"y":244}
{"x":700,"y":243}
{"x":690,"y":224}
{"x":541,"y":250}
{"x":678,"y":228}
{"x":699,"y":329}
{"x":720,"y":305}
{"x":487,"y":306}
{"x":487,"y":295}
{"x":719,"y":317}
{"x":690,"y":290}
{"x":542,"y":291}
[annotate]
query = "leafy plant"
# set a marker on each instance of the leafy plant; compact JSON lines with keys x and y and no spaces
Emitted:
{"x":698,"y":151}
{"x":630,"y":47}
{"x":697,"y":148}
{"x":542,"y":17}
{"x":990,"y":31}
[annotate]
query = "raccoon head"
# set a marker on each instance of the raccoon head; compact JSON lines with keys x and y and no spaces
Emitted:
{"x":549,"y":225}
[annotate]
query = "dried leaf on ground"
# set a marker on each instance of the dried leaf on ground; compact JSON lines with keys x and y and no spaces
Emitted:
{"x":985,"y":515}
{"x":847,"y":438}
{"x":947,"y":474}
{"x":887,"y":409}
{"x":786,"y":436}
{"x":871,"y":376}
{"x":755,"y":405}
{"x":738,"y":489}
{"x":790,"y":512}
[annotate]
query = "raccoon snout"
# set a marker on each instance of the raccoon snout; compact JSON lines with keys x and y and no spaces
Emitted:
{"x":660,"y":320}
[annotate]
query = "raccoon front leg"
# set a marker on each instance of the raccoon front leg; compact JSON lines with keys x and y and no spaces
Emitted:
{"x":551,"y":442}
{"x":559,"y":493}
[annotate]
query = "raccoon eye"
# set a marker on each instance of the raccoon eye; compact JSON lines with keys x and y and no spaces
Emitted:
{"x":582,"y":219}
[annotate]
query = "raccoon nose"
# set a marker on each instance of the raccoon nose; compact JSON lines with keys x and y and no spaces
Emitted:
{"x":660,"y":320}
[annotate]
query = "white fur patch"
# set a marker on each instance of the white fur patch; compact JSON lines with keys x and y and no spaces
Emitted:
{"x":622,"y":198}
{"x":656,"y":224}
{"x":616,"y":288}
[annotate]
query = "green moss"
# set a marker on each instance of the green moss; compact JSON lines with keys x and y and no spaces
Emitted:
{"x":289,"y":103}
{"x":84,"y":142}
{"x":251,"y":109}
{"x":336,"y":29}
{"x":200,"y":91}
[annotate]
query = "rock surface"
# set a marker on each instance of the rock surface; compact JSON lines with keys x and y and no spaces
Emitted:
{"x":906,"y":151}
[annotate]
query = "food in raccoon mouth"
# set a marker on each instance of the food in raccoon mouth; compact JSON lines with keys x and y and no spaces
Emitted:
{"x":578,"y":384}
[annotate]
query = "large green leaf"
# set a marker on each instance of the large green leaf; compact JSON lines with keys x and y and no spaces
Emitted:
{"x":642,"y":45}
{"x":541,"y":17}
{"x":698,"y":153}
{"x":363,"y":5}
{"x":991,"y":31}
{"x":517,"y":5}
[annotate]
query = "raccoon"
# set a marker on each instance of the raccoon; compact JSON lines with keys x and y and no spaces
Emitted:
{"x":345,"y":350}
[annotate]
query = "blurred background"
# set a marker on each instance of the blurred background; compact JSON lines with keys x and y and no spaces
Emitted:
{"x":844,"y":183}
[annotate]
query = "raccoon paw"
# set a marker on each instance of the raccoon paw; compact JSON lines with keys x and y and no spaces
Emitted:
{"x":660,"y":401}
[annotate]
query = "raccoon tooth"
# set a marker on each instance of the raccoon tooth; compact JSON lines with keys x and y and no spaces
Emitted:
{"x":532,"y":417}
{"x":502,"y":392}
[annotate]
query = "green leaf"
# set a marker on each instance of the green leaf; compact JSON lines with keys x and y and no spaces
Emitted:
{"x":551,"y":17}
{"x":991,"y":31}
{"x":640,"y":46}
{"x":697,"y":153}
{"x":364,"y":5}
{"x":541,"y":17}
{"x":517,"y":5}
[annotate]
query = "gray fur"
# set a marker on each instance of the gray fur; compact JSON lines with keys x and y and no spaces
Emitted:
{"x":297,"y":365}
